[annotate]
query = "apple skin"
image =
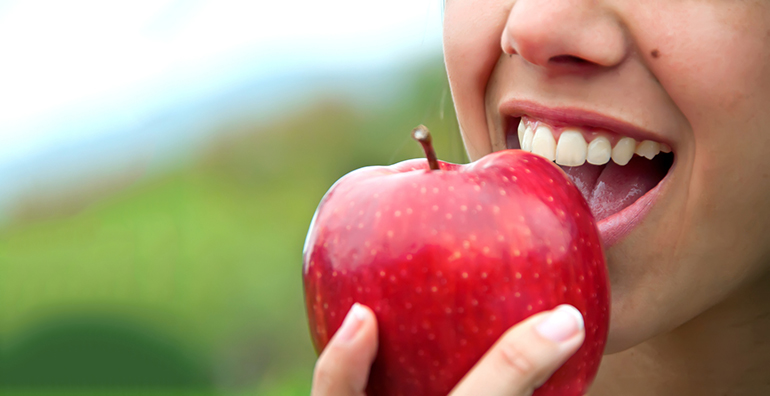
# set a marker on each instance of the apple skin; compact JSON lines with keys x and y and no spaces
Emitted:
{"x":449,"y":260}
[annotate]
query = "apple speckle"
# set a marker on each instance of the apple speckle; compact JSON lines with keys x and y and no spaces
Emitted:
{"x":522,"y":236}
{"x":518,"y":275}
{"x":435,"y":190}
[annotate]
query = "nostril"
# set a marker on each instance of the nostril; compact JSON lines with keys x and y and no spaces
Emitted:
{"x":568,"y":60}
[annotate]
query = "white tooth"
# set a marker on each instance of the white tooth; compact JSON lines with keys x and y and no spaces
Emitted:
{"x":526,"y":144}
{"x":599,"y":151}
{"x":571,"y":149}
{"x":623,"y":150}
{"x":521,"y":131}
{"x":543,"y":143}
{"x":665,"y":148}
{"x":648,"y":149}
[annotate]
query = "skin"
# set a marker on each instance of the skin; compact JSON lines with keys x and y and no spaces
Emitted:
{"x":691,"y":282}
{"x":687,"y":283}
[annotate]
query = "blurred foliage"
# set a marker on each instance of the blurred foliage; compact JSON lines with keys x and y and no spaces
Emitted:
{"x":189,"y":282}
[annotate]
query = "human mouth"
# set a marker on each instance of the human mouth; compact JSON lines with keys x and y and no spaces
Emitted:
{"x":620,"y":176}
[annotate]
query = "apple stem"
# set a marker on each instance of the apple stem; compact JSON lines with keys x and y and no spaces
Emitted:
{"x":422,"y":135}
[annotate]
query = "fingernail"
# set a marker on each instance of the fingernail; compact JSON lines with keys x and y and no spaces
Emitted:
{"x":352,"y":323}
{"x":562,"y":324}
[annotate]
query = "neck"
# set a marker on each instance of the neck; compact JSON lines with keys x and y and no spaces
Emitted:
{"x":723,"y":351}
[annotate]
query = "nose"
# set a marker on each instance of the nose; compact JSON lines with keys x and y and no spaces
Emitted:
{"x":558,"y":33}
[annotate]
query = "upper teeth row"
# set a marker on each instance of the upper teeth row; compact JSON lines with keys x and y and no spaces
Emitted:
{"x":572,"y":149}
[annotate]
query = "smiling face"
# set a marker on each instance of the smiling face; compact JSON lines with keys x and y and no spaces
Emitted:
{"x":682,"y":231}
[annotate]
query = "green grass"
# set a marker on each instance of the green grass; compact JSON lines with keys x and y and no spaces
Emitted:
{"x":197,"y":271}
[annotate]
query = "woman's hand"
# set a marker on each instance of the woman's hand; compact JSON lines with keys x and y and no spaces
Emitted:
{"x":521,"y":360}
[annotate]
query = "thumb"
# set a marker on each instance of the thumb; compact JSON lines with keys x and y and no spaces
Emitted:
{"x":343,"y":367}
{"x":526,"y":355}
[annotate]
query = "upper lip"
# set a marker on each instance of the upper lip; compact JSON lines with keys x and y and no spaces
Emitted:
{"x":577,"y":117}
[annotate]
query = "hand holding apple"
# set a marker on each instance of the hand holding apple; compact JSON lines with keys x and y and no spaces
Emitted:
{"x":449,"y":259}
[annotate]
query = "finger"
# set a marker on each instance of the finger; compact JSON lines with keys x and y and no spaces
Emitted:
{"x":343,"y":367}
{"x":526,"y":355}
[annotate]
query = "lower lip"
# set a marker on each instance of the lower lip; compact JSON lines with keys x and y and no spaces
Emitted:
{"x":614,"y":228}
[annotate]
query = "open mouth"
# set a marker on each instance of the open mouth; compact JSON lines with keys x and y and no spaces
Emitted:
{"x":611,"y":170}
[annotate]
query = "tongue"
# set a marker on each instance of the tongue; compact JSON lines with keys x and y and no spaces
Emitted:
{"x":611,"y":188}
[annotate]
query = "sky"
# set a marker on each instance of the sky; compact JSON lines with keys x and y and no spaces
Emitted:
{"x":75,"y":72}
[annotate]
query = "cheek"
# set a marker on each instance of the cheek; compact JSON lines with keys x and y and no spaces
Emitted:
{"x":712,"y":58}
{"x":715,"y":66}
{"x":717,"y":71}
{"x":472,"y":31}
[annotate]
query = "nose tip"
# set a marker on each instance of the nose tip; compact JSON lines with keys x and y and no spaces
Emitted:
{"x":563,"y":32}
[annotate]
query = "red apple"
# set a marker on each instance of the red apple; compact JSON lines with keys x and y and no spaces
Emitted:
{"x":449,"y":258}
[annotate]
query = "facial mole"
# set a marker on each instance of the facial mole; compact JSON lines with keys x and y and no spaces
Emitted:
{"x":655,"y":53}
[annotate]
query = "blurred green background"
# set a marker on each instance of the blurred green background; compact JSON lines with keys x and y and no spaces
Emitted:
{"x":188,"y":281}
